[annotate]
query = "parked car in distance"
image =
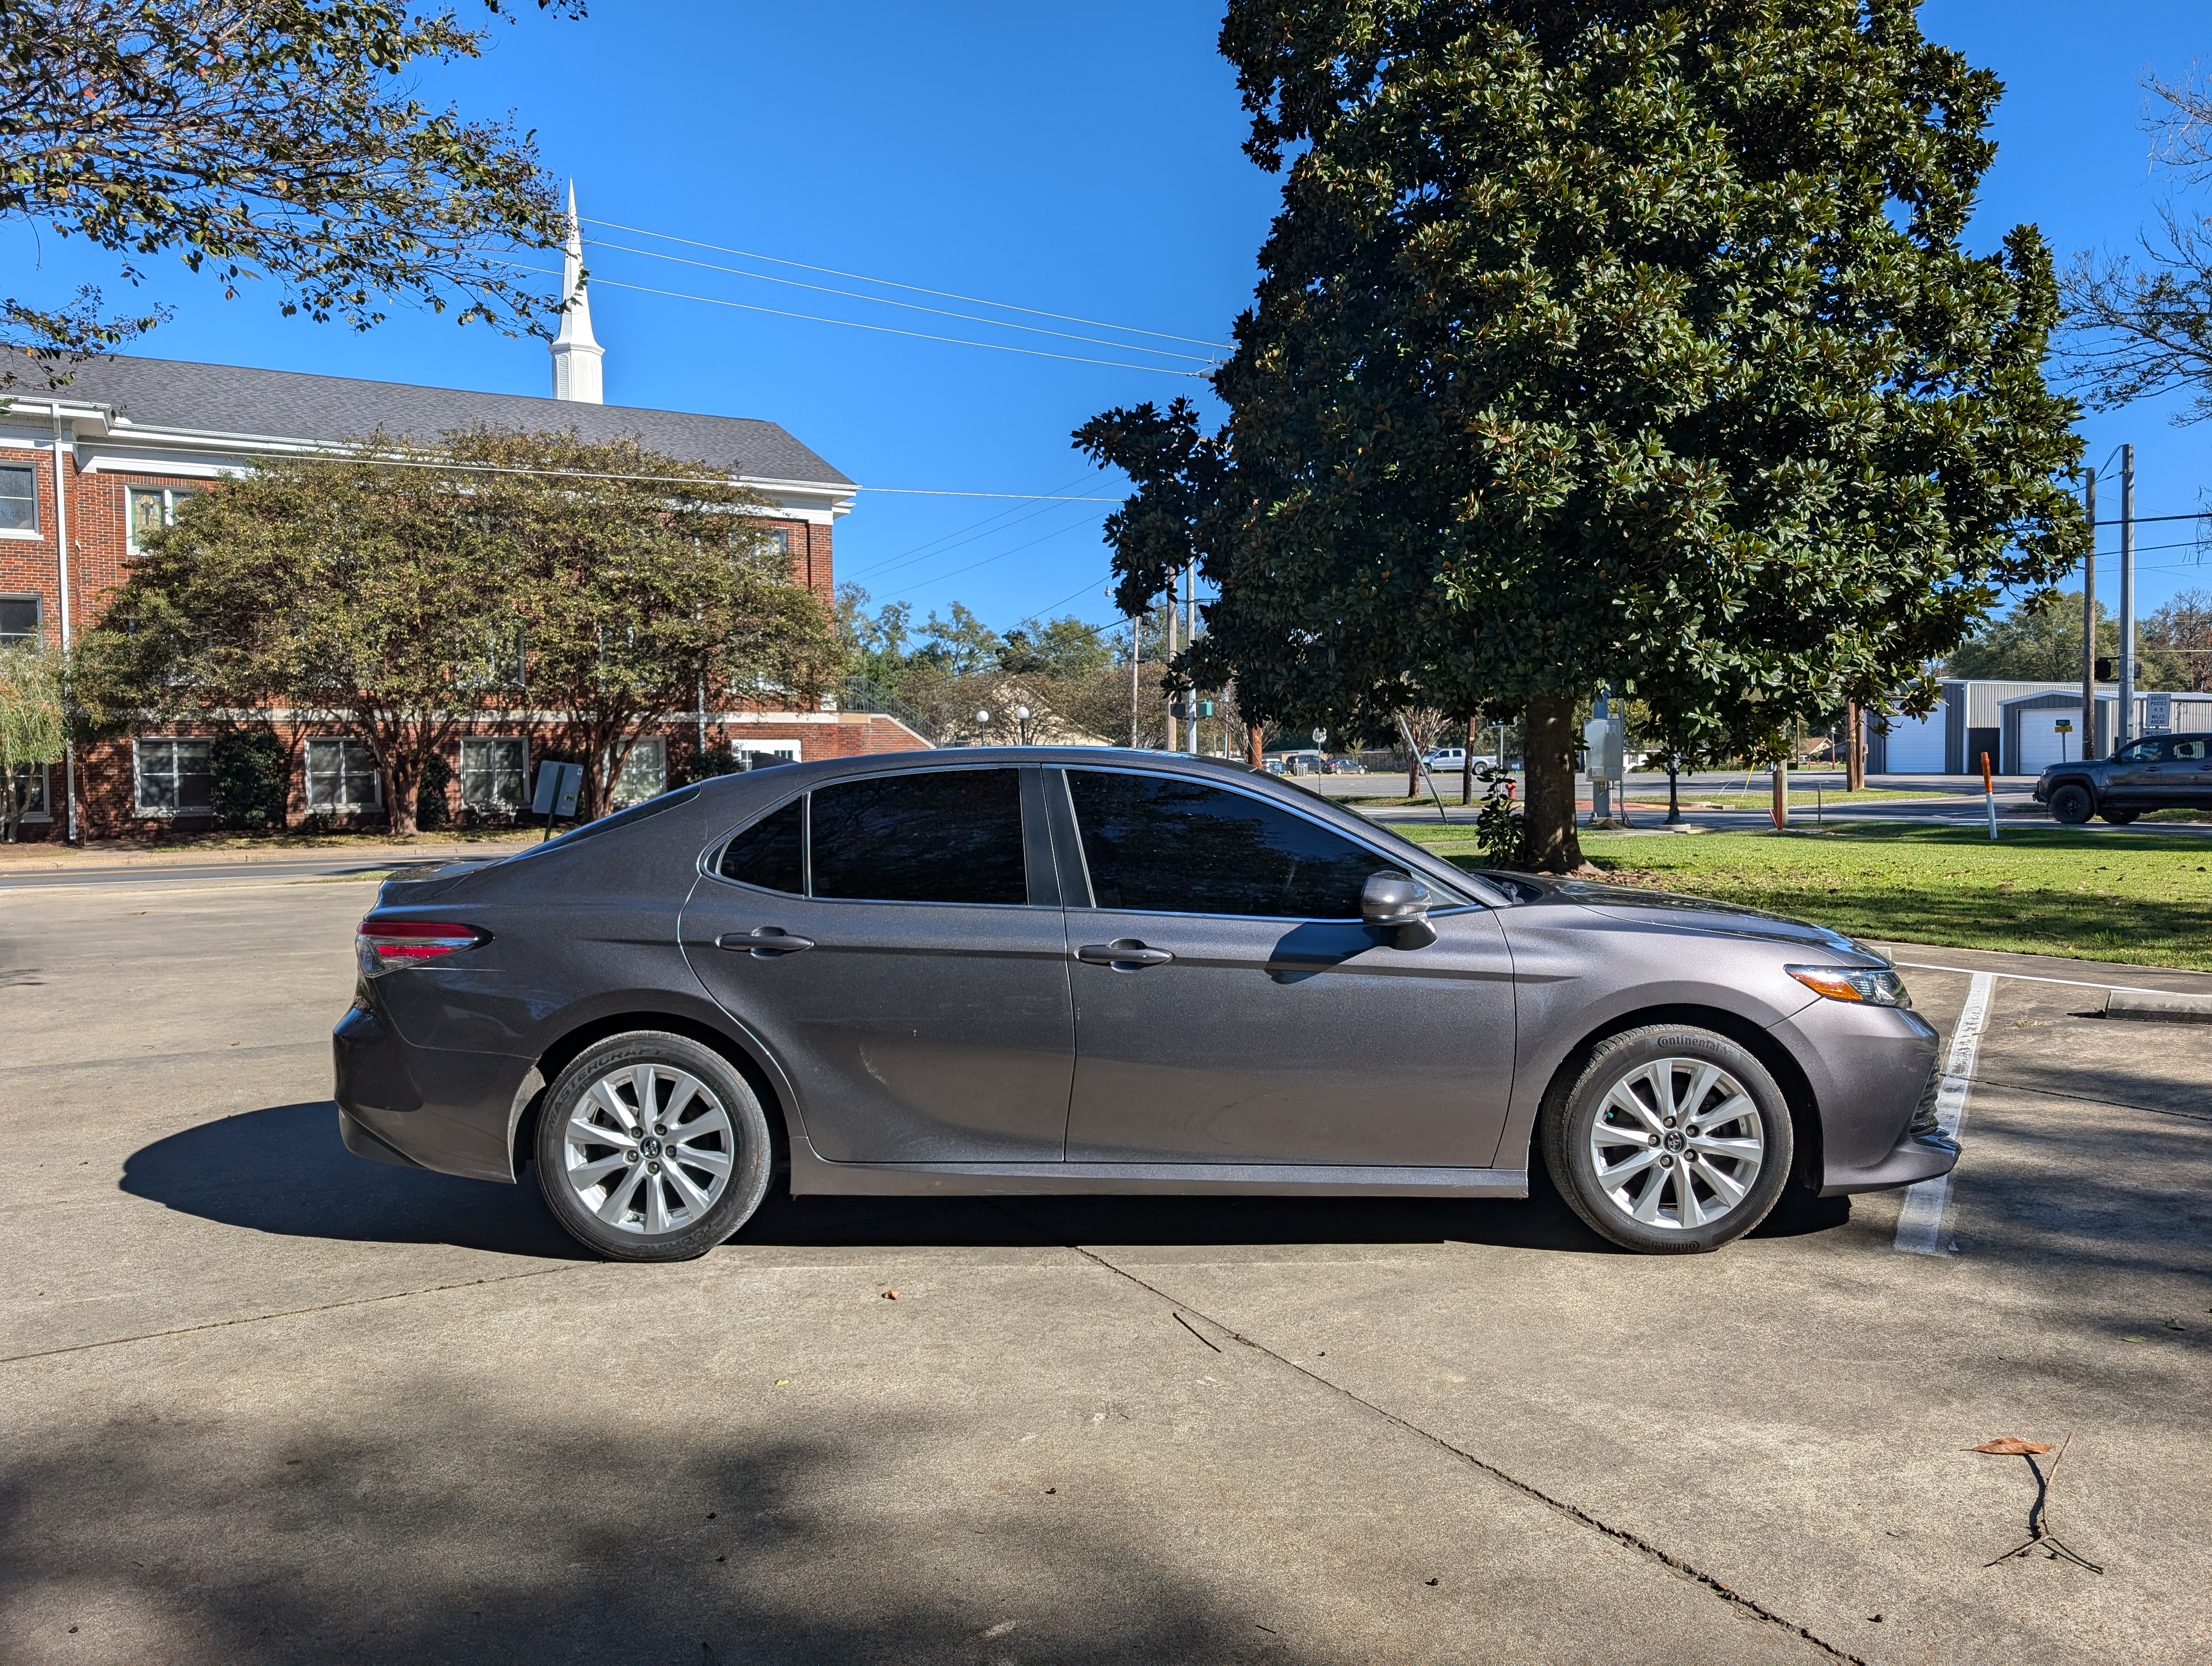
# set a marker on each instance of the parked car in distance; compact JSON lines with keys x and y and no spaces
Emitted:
{"x":1346,"y":764}
{"x":2158,"y":772}
{"x":1305,"y":761}
{"x":1003,"y":970}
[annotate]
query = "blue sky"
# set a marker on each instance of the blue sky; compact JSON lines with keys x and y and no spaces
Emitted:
{"x":1081,"y":160}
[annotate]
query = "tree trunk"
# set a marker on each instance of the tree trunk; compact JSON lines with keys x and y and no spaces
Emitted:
{"x":1256,"y":746}
{"x":1853,"y":750}
{"x":1466,"y":767}
{"x":1548,"y":757}
{"x":403,"y":777}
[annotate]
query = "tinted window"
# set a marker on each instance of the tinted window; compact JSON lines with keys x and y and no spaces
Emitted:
{"x":2143,"y":751}
{"x":1183,"y":846}
{"x":2190,"y":751}
{"x":772,"y":852}
{"x":941,"y":835}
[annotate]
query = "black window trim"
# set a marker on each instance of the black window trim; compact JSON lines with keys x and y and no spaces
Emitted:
{"x":1386,"y":859}
{"x":710,"y":859}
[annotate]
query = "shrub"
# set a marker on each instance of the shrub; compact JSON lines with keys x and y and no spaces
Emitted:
{"x":251,"y":780}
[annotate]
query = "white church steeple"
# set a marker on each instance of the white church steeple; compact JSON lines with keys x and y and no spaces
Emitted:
{"x":575,"y":354}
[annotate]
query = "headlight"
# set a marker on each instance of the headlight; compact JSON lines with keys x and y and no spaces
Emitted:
{"x":1871,"y":986}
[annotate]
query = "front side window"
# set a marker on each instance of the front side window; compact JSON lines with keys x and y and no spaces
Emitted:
{"x":2141,"y":751}
{"x":492,"y":772}
{"x":644,"y":772}
{"x":935,"y":835}
{"x":341,"y":776}
{"x":1158,"y":844}
{"x":19,"y":619}
{"x":173,"y":777}
{"x":19,"y":498}
{"x":150,"y":509}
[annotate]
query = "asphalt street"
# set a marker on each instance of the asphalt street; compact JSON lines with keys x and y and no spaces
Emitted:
{"x":269,"y":1402}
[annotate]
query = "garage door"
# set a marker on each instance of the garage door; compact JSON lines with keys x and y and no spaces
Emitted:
{"x":2040,"y":742}
{"x":1916,"y":745}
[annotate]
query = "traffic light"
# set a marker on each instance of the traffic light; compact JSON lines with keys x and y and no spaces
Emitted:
{"x":2103,"y":670}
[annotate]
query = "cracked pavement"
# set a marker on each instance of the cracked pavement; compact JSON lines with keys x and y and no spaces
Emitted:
{"x":271,"y":1402}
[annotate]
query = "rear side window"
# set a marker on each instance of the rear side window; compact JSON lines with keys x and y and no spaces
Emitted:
{"x":949,"y":836}
{"x":771,"y":853}
{"x":1160,"y":844}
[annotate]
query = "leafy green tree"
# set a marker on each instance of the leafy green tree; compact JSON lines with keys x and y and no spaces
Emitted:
{"x":636,"y":599}
{"x":1609,"y":341}
{"x":1056,"y":649}
{"x":397,"y":591}
{"x":33,"y":730}
{"x":275,"y":139}
{"x":251,"y":772}
{"x":2183,"y":630}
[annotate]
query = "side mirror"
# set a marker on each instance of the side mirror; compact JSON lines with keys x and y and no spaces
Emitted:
{"x":1397,"y":905}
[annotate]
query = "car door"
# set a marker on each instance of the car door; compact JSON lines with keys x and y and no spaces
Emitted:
{"x":2131,"y":780}
{"x":1232,"y":1008}
{"x":2185,"y":773}
{"x":892,"y":941}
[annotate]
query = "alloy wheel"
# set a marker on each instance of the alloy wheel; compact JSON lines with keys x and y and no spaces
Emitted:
{"x":1677,"y":1143}
{"x":648,"y":1149}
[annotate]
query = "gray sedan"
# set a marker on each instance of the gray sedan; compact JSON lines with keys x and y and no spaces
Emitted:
{"x":1026,"y":970}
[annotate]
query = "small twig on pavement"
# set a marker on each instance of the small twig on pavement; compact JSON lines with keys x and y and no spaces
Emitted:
{"x":2038,"y":1518}
{"x":1194,"y":1331}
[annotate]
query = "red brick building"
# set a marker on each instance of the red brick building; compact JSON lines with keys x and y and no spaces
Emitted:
{"x":128,"y":436}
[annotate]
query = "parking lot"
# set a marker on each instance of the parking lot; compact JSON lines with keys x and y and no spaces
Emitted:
{"x":269,"y":1402}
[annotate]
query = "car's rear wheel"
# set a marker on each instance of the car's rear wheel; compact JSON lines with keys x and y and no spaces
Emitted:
{"x":651,"y":1147}
{"x":2072,"y":804}
{"x":1670,"y":1139}
{"x":2120,"y":817}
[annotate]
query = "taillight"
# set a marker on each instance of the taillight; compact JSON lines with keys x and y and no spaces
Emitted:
{"x":384,"y":946}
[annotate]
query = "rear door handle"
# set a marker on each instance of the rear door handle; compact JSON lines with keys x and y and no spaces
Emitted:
{"x":1123,"y":954}
{"x":765,"y":942}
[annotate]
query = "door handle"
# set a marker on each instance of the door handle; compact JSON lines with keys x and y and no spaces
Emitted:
{"x":766,"y":942}
{"x":1123,"y":954}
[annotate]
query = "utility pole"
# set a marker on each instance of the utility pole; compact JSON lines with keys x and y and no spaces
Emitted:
{"x":1190,"y":635}
{"x":1170,"y":661}
{"x":1136,"y":664}
{"x":2126,"y":728}
{"x":2089,"y":622}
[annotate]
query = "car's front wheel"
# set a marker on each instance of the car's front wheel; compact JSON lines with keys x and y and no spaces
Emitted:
{"x":1670,"y":1139}
{"x":2072,"y":804}
{"x":651,"y":1147}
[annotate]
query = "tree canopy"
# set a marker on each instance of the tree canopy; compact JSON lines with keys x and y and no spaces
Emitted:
{"x":275,"y":139}
{"x":1610,"y":342}
{"x":404,"y":591}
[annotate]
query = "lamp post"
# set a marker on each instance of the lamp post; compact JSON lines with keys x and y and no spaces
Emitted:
{"x":2127,"y":667}
{"x":983,"y":728}
{"x":2089,"y":622}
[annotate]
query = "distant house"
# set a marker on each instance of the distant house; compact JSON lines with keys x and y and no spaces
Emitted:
{"x":2017,"y":724}
{"x":131,"y":436}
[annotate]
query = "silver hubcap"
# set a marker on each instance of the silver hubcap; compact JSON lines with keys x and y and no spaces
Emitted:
{"x":649,"y":1149}
{"x":1677,"y":1143}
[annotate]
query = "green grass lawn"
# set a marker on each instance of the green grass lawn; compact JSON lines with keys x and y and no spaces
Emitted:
{"x":1801,"y":798}
{"x":2142,"y":898}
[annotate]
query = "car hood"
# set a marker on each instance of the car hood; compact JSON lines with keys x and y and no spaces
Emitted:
{"x":1672,"y":911}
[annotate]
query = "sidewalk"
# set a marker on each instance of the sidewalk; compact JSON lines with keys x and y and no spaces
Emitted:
{"x":103,"y":854}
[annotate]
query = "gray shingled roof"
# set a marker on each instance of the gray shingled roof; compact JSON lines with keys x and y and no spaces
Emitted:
{"x":223,"y":398}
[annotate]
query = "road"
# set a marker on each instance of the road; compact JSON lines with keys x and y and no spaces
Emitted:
{"x":268,"y":1403}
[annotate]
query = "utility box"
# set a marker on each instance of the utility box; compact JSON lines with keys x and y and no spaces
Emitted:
{"x":1604,"y":740}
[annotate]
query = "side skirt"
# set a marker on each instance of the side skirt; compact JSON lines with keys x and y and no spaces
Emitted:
{"x":813,"y":1175}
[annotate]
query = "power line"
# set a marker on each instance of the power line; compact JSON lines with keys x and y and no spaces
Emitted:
{"x":887,"y":330}
{"x":915,"y":288}
{"x":1001,"y":555}
{"x":974,"y":527}
{"x":885,"y":301}
{"x":683,"y":479}
{"x":1026,"y":497}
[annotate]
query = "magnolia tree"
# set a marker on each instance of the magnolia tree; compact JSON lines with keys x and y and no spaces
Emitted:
{"x":1598,"y":343}
{"x":400,"y":593}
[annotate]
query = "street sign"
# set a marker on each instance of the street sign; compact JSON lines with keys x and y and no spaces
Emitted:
{"x":2158,"y":713}
{"x":558,"y":784}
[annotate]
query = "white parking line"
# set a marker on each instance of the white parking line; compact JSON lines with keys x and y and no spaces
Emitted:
{"x":2030,"y":977}
{"x":1920,"y":1223}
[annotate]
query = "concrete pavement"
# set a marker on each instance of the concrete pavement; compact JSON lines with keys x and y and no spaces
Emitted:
{"x":270,"y":1402}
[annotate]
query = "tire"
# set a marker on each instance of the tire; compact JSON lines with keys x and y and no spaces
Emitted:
{"x":2072,"y":804}
{"x":620,"y":1187}
{"x":1740,"y":1170}
{"x":2120,"y":817}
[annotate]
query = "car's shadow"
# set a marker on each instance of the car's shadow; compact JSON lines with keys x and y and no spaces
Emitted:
{"x":284,"y":1170}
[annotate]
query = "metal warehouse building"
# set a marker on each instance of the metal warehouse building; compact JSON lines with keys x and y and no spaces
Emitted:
{"x":2017,"y":725}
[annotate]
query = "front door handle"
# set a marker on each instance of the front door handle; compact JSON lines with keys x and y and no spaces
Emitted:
{"x":765,"y":942}
{"x":1123,"y":954}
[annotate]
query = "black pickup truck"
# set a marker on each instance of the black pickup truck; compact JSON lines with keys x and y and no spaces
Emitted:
{"x":2158,"y":772}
